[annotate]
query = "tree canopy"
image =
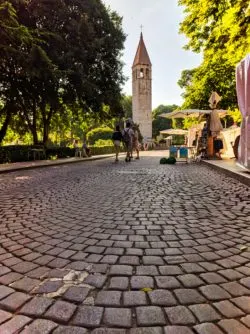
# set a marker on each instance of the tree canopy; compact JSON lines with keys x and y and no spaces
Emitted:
{"x":59,"y":54}
{"x":160,"y":123}
{"x":220,"y":30}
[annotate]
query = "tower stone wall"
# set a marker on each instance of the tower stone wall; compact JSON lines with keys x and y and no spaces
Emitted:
{"x":142,"y":91}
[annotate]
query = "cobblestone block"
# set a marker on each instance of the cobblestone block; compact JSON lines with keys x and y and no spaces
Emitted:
{"x":4,"y":270}
{"x":246,"y":320}
{"x":24,"y":267}
{"x":88,"y":316}
{"x":213,"y":278}
{"x":204,"y":312}
{"x":162,"y":297}
{"x":60,"y":311}
{"x":190,"y":280}
{"x":4,"y":316}
{"x":230,"y":274}
{"x":130,"y":260}
{"x":150,"y":316}
{"x":180,"y":315}
{"x":14,"y":301}
{"x":14,"y":325}
{"x":192,"y":268}
{"x":38,"y":272}
{"x":40,"y":326}
{"x":119,"y":283}
{"x":134,"y":298}
{"x":243,"y":303}
{"x":5,"y":291}
{"x":147,"y":270}
{"x":177,"y":330}
{"x":49,"y":286}
{"x":167,"y":282}
{"x":77,"y":265}
{"x":118,"y":317}
{"x":10,"y":278}
{"x":189,"y":296}
{"x":235,"y":289}
{"x":36,"y":307}
{"x":226,"y":308}
{"x":152,"y":260}
{"x":214,"y":292}
{"x":58,"y":263}
{"x":207,"y":328}
{"x":170,"y":270}
{"x":70,"y":330}
{"x":121,"y":270}
{"x":108,"y":331}
{"x":76,"y":294}
{"x":108,"y":298}
{"x":25,"y":284}
{"x":146,"y":330}
{"x":232,"y":326}
{"x":140,"y":282}
{"x":110,"y":259}
{"x":96,"y":280}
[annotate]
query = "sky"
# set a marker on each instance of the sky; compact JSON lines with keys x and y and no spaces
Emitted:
{"x":160,"y":20}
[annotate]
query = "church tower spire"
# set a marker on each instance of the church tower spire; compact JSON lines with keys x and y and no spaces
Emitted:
{"x":142,"y":90}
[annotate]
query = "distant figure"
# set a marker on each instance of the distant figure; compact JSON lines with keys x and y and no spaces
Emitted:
{"x":117,"y":139}
{"x":77,"y":149}
{"x":128,"y":135}
{"x":86,"y":149}
{"x":218,"y":146}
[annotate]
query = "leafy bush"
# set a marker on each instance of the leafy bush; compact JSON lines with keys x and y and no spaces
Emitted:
{"x":99,"y":133}
{"x":168,"y":161}
{"x":102,"y":142}
{"x":163,"y":161}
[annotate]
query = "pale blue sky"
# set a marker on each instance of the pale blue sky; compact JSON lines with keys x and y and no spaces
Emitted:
{"x":160,"y":20}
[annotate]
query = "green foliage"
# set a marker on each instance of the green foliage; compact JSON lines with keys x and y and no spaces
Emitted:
{"x":59,"y":54}
{"x":160,"y":123}
{"x":103,"y":142}
{"x":163,"y":161}
{"x":221,"y":31}
{"x":168,"y":161}
{"x":127,"y":106}
{"x":99,"y":133}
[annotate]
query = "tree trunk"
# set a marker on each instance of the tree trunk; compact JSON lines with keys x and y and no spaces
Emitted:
{"x":5,"y":125}
{"x":34,"y":124}
{"x":46,"y":124}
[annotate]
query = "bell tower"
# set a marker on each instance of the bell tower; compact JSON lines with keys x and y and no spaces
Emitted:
{"x":142,"y":90}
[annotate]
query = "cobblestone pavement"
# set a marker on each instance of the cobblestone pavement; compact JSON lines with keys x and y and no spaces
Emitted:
{"x":136,"y":248}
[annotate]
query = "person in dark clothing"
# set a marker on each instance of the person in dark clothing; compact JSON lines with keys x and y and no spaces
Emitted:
{"x":218,"y":146}
{"x":117,"y":139}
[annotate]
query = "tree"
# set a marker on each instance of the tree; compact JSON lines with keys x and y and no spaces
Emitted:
{"x":15,"y":45}
{"x":127,"y":106}
{"x":221,"y":31}
{"x":74,"y":60}
{"x":160,"y":123}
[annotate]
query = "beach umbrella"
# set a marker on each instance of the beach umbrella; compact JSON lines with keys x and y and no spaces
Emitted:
{"x":174,"y":132}
{"x":191,"y":113}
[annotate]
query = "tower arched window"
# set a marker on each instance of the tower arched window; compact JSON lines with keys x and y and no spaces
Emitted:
{"x":141,"y":73}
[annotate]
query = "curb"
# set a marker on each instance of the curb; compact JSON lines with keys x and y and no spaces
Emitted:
{"x":53,"y":164}
{"x":234,"y":175}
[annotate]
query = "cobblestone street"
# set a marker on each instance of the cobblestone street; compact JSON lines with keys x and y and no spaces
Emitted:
{"x":126,"y":248}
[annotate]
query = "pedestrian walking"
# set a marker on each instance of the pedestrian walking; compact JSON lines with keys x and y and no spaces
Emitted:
{"x":128,"y":135}
{"x":117,"y":139}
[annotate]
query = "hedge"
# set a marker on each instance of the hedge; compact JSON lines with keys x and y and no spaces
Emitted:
{"x":19,"y":153}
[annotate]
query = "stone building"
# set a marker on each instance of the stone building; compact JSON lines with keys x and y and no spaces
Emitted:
{"x":142,"y":91}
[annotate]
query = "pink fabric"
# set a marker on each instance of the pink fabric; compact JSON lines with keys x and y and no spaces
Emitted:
{"x":243,"y":94}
